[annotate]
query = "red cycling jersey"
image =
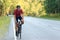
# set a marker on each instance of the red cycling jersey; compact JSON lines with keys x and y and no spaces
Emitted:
{"x":17,"y":12}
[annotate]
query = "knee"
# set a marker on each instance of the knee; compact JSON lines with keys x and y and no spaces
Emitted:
{"x":22,"y":21}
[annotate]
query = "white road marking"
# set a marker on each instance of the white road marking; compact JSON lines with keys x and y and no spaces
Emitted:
{"x":14,"y":29}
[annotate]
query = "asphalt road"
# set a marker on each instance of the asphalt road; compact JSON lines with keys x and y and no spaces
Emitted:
{"x":40,"y":29}
{"x":37,"y":29}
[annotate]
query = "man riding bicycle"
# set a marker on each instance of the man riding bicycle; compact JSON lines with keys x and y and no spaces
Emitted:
{"x":18,"y":15}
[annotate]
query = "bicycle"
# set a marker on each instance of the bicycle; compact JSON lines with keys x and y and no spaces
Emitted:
{"x":19,"y":29}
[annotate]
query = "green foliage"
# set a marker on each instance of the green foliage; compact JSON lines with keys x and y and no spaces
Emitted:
{"x":1,"y":8}
{"x":55,"y":17}
{"x":52,"y":6}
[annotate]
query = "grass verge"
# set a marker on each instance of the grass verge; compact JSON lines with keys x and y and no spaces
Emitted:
{"x":4,"y":23}
{"x":51,"y":17}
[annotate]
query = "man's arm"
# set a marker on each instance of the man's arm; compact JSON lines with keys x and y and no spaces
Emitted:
{"x":22,"y":14}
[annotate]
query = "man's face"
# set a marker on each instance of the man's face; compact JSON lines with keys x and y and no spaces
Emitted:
{"x":18,"y":8}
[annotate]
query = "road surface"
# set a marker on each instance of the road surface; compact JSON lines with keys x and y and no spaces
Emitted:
{"x":10,"y":32}
{"x":40,"y":29}
{"x":37,"y":29}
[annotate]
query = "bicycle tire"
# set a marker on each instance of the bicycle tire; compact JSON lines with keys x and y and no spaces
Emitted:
{"x":19,"y":31}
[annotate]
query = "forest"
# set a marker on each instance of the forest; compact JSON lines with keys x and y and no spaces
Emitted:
{"x":31,"y":7}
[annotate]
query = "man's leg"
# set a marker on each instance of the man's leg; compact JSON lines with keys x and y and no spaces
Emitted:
{"x":20,"y":18}
{"x":17,"y":26}
{"x":16,"y":23}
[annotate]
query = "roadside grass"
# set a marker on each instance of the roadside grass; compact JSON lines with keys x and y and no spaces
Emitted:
{"x":51,"y":17}
{"x":4,"y":23}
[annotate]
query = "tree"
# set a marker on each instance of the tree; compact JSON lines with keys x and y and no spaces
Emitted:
{"x":52,"y":6}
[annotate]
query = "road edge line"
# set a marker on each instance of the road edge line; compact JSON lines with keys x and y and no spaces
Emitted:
{"x":14,"y":29}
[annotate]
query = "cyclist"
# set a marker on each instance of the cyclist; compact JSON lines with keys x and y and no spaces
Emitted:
{"x":18,"y":14}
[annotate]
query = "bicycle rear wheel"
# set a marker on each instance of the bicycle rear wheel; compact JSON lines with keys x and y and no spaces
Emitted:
{"x":19,"y":31}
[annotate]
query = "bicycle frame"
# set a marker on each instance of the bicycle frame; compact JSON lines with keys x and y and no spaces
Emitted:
{"x":19,"y":29}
